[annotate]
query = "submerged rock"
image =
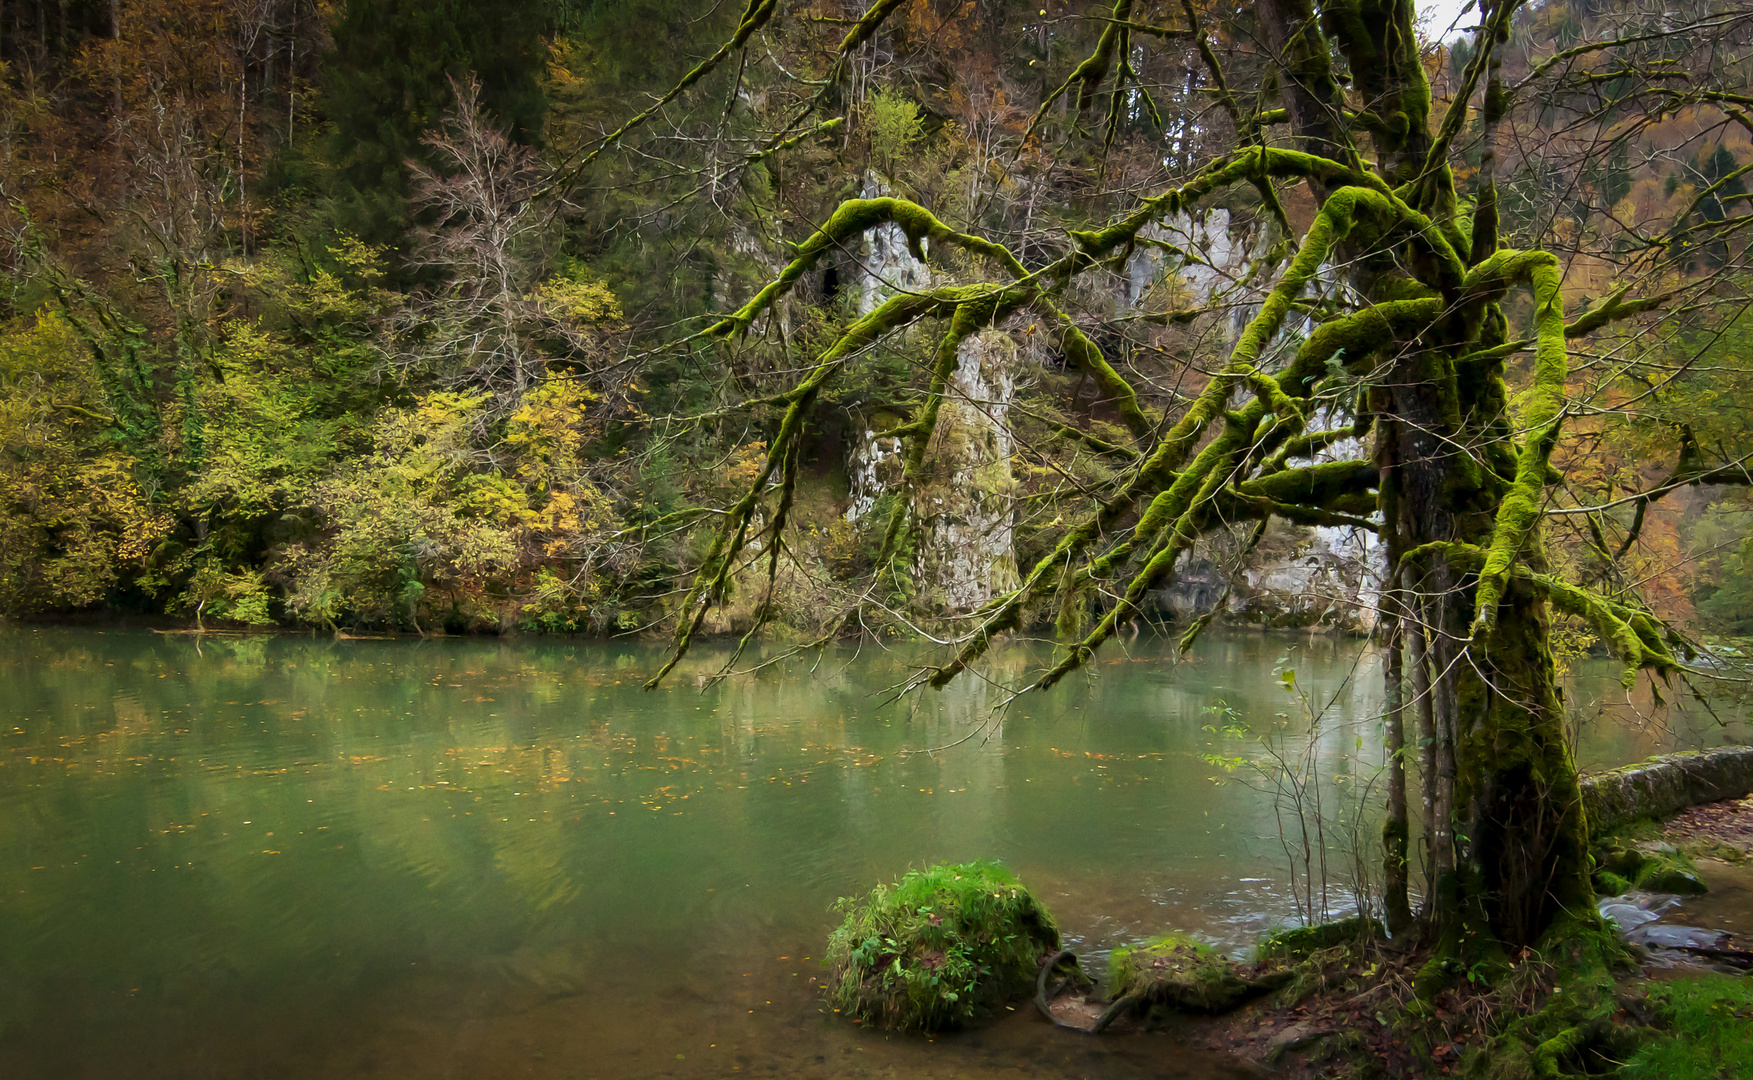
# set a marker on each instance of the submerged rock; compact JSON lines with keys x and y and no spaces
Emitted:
{"x":940,"y":948}
{"x":1633,"y":910}
{"x":1671,"y":936}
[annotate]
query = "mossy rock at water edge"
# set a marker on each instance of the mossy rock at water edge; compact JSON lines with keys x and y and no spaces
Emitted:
{"x":1179,"y":971}
{"x":1301,"y":942}
{"x":940,"y":948}
{"x":1182,"y":974}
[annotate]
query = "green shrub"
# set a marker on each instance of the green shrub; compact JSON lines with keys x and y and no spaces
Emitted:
{"x":939,"y":948}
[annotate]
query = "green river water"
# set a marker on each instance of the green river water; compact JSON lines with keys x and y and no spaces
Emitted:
{"x":287,"y":857}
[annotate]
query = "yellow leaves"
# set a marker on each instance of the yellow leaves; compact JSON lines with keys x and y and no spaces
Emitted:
{"x":550,"y":420}
{"x":565,"y":57}
{"x":571,"y":299}
{"x":364,"y":261}
{"x":43,"y":350}
{"x":71,"y":511}
{"x":491,"y":497}
{"x":248,"y":348}
{"x":744,"y":465}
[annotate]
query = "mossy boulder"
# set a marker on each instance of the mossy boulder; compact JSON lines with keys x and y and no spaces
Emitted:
{"x":1621,"y":866}
{"x":940,"y":948}
{"x":1300,"y":942}
{"x":1668,"y":870}
{"x":1184,"y":974}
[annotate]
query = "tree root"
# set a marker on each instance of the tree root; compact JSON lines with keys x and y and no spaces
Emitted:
{"x":1044,"y":1000}
{"x":1215,"y":988}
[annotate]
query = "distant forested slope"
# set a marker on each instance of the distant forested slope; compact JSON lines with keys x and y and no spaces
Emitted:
{"x":365,"y":313}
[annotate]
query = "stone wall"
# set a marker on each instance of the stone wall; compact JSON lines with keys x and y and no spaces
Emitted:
{"x":1664,"y":786}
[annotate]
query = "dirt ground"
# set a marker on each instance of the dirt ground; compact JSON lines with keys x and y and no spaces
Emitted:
{"x":1729,"y":823}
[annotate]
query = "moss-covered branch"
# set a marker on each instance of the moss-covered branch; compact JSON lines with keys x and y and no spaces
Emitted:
{"x":1520,"y":507}
{"x":1081,"y":351}
{"x":1635,"y":634}
{"x":1337,"y":219}
{"x":1089,"y":75}
{"x":853,"y":218}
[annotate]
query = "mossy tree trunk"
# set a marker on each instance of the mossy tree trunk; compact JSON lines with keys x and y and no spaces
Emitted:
{"x":1517,"y":838}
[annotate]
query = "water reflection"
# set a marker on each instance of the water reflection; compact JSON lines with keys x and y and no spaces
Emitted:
{"x":300,"y":857}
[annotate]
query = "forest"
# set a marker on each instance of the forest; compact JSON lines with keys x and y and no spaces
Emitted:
{"x":379,"y":316}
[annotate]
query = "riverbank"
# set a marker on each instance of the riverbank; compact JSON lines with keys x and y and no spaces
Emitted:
{"x":1679,"y":1007}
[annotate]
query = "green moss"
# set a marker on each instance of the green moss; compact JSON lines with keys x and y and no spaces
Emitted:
{"x":938,"y":949}
{"x":1670,"y":872}
{"x":1573,"y":1031}
{"x":1520,"y":508}
{"x":1178,"y":971}
{"x":1621,"y":865}
{"x":1707,"y":1030}
{"x":1080,"y":350}
{"x":1299,"y":942}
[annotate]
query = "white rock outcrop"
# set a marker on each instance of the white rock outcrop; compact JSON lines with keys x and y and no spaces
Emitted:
{"x":964,"y":514}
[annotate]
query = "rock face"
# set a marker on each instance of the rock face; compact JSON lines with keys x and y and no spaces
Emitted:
{"x":874,"y":466}
{"x":1301,"y":577}
{"x":886,"y":266}
{"x":1663,"y":786}
{"x":963,"y":513}
{"x":1224,"y":250}
{"x":962,"y":516}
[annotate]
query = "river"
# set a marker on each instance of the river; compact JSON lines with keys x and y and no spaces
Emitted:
{"x":288,"y":857}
